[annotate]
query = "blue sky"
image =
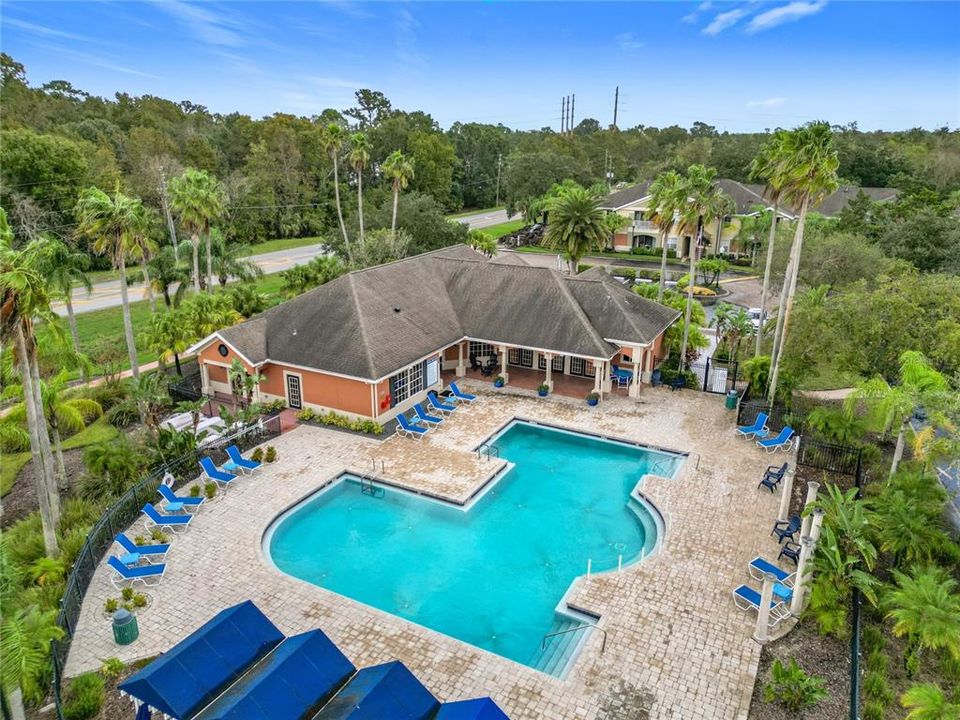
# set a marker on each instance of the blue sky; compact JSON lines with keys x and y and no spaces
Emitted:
{"x":736,"y":65}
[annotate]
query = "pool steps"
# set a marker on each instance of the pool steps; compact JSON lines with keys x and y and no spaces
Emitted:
{"x":559,"y":651}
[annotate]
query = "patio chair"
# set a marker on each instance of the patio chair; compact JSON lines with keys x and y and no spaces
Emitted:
{"x":461,"y":396}
{"x":171,"y":522}
{"x":783,"y":441}
{"x":474,"y":363}
{"x":759,"y":567}
{"x":786,"y":529}
{"x":408,"y":429}
{"x":746,"y":598}
{"x":131,"y":547}
{"x":215,"y":473}
{"x":757,"y":430}
{"x":238,"y":461}
{"x":617,"y":373}
{"x":185,"y":500}
{"x":770,"y":482}
{"x":790,"y":550}
{"x":776,"y":472}
{"x":146,"y":574}
{"x":487,"y":370}
{"x":678,"y":383}
{"x":423,"y":416}
{"x":438,"y":404}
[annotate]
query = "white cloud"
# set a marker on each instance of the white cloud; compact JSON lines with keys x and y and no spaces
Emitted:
{"x":695,"y":15}
{"x":723,"y":21}
{"x":44,"y":30}
{"x":206,"y":24}
{"x":790,"y":12}
{"x":628,"y":41}
{"x":767,"y":104}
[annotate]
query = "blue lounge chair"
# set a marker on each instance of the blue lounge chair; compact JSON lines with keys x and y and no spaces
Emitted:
{"x":461,"y":396}
{"x":214,"y":473}
{"x":757,"y":430}
{"x":169,"y":496}
{"x":786,"y":529}
{"x":746,"y":598}
{"x":131,"y":547}
{"x":173,"y":522}
{"x":422,"y":416}
{"x":405,"y":427}
{"x":141,"y":573}
{"x":239,"y":461}
{"x":438,"y":404}
{"x":760,"y":566}
{"x":783,"y":441}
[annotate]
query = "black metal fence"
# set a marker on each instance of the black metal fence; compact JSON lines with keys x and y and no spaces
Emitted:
{"x":718,"y":376}
{"x":120,"y":515}
{"x":842,"y":459}
{"x":189,"y":387}
{"x":777,"y":415}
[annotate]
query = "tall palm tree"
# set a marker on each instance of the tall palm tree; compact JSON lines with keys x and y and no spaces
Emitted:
{"x":143,"y":248}
{"x":576,"y":225}
{"x":703,"y":202}
{"x":63,"y":267}
{"x":230,"y":261}
{"x":808,"y":163}
{"x":23,"y":296}
{"x":925,"y":607}
{"x":399,"y":169}
{"x":167,"y":273}
{"x":359,"y":157}
{"x":668,"y":196}
{"x":111,"y":223}
{"x":926,"y":701}
{"x":333,"y":139}
{"x":892,"y":405}
{"x":25,"y":654}
{"x":767,"y":166}
{"x":723,"y":208}
{"x":198,"y":199}
{"x":168,"y":335}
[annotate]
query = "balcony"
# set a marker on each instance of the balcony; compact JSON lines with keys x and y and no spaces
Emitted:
{"x":643,"y":226}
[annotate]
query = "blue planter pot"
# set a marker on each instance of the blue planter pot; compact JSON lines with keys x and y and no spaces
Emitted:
{"x":542,"y":393}
{"x":592,"y":401}
{"x":498,"y":383}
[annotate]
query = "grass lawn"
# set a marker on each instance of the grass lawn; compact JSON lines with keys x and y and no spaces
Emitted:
{"x":10,"y":468}
{"x":467,"y":213}
{"x":282,"y":244}
{"x":830,"y":378}
{"x":495,"y":231}
{"x":609,"y":255}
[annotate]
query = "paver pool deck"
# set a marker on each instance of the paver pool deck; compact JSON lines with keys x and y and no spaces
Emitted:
{"x":676,"y":647}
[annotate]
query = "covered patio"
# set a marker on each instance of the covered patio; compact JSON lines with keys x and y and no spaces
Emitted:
{"x":530,"y":379}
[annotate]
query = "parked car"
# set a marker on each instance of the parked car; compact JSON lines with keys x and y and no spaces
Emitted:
{"x":755,"y":314}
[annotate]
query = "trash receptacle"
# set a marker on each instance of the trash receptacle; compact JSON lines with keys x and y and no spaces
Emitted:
{"x":732,"y":400}
{"x":125,"y":628}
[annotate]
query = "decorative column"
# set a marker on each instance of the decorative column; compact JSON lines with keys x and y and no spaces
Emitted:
{"x":548,"y":381}
{"x":762,"y":632}
{"x":634,"y":390}
{"x":816,"y":524}
{"x":648,"y":360}
{"x":800,"y":583}
{"x":598,"y":378}
{"x":461,"y":370}
{"x":785,"y":494}
{"x":503,"y":364}
{"x":605,"y":380}
{"x":205,"y":380}
{"x":812,"y":488}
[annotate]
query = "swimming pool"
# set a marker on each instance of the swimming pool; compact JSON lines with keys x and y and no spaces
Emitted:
{"x":492,"y":575}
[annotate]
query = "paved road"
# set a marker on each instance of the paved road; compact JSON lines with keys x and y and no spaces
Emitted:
{"x":107,"y":294}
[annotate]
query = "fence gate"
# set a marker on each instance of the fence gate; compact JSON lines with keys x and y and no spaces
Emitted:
{"x":715,"y":376}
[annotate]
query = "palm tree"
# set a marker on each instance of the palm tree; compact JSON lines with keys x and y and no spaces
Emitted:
{"x":400,"y":171}
{"x":929,"y":703}
{"x":168,"y":335}
{"x":905,"y":528}
{"x":63,"y":267}
{"x":25,"y":654}
{"x":808,"y":165}
{"x":229,"y":261}
{"x":166,"y":273}
{"x":576,"y":225}
{"x":767,"y":166}
{"x":723,"y":208}
{"x":893,"y":405}
{"x":62,"y":412}
{"x":925,"y":607}
{"x":143,"y":248}
{"x":198,"y":200}
{"x":205,"y":314}
{"x":667,"y":198}
{"x":359,"y":157}
{"x":23,"y":296}
{"x":332,"y":140}
{"x":112,"y":223}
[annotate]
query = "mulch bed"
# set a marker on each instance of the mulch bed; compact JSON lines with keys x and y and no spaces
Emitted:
{"x":824,"y":656}
{"x":22,"y":498}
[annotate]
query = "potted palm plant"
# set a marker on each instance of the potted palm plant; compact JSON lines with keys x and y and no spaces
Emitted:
{"x":593,"y":398}
{"x":499,"y":381}
{"x":543,"y":390}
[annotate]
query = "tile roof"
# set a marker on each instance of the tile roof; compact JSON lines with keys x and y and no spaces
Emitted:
{"x":372,"y":322}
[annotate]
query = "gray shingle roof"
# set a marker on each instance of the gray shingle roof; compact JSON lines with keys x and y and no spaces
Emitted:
{"x":373,"y":322}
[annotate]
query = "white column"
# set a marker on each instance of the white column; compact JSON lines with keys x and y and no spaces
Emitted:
{"x":816,"y":524}
{"x":648,"y":360}
{"x":597,"y":377}
{"x":634,"y":390}
{"x":800,"y":584}
{"x":762,"y":632}
{"x":785,"y":494}
{"x":503,"y":364}
{"x":205,"y":380}
{"x":605,"y":380}
{"x":461,"y":370}
{"x":549,"y":378}
{"x":812,"y":488}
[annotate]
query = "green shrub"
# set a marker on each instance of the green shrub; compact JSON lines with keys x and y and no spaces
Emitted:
{"x":107,"y":394}
{"x":667,"y":375}
{"x":111,"y":605}
{"x":371,"y":427}
{"x":950,"y":669}
{"x":872,"y":710}
{"x":127,"y":594}
{"x":792,"y":687}
{"x":71,"y":543}
{"x":583,"y":267}
{"x":139,"y":600}
{"x":872,"y":639}
{"x":195,"y":490}
{"x":645,"y":274}
{"x":877,"y":661}
{"x":210,"y":490}
{"x":112,"y":667}
{"x":270,"y":455}
{"x":77,"y":512}
{"x":257,"y":454}
{"x":159,"y":536}
{"x":84,"y":697}
{"x":624,"y":272}
{"x":876,"y":687}
{"x":122,"y":415}
{"x":23,"y":541}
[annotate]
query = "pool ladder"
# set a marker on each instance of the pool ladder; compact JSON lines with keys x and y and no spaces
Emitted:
{"x":584,"y":626}
{"x":487,"y":450}
{"x":367,"y":484}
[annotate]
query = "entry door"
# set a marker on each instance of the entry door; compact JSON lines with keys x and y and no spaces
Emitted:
{"x":294,"y":399}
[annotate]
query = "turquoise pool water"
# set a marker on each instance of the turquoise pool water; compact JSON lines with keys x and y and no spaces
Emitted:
{"x":493,"y":575}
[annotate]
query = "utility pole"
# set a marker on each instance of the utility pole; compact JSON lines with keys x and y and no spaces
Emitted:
{"x":563,"y":114}
{"x":499,"y":160}
{"x":616,"y":103}
{"x":165,"y":203}
{"x":573,"y":104}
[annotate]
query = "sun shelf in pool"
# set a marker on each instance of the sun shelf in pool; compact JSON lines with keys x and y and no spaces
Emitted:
{"x":493,"y":575}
